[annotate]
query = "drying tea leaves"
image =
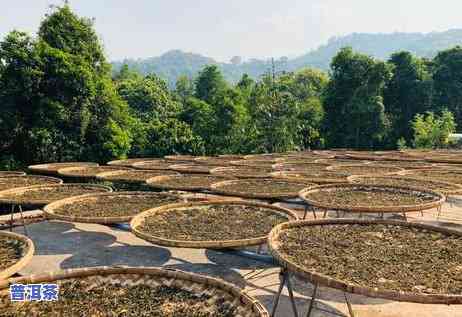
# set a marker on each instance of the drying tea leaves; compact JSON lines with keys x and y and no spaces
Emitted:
{"x":310,"y":167}
{"x":50,"y":193}
{"x":438,"y":186}
{"x":212,"y":223}
{"x":186,"y":181}
{"x":130,"y":162}
{"x":364,"y":169}
{"x":242,"y":171}
{"x":27,"y":180}
{"x":369,"y":196}
{"x":132,"y":176}
{"x":115,"y":205}
{"x":11,"y":173}
{"x":54,"y":167}
{"x":323,"y":177}
{"x":451,"y":176}
{"x":255,"y":163}
{"x":409,"y":165}
{"x":83,"y":298}
{"x":388,"y":257}
{"x":11,"y":251}
{"x":88,"y":172}
{"x":158,"y":164}
{"x":261,"y":187}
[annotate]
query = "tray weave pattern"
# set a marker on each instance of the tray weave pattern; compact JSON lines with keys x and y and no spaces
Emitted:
{"x":246,"y":306}
{"x":216,"y":244}
{"x":26,"y":258}
{"x":439,"y":199}
{"x":52,"y":168}
{"x":314,"y":277}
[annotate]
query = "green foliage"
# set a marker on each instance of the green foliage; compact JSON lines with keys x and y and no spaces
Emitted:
{"x":355,"y":114}
{"x":401,"y":144}
{"x":432,"y":131}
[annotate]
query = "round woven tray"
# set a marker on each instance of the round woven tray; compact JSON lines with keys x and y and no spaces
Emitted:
{"x":438,"y":174}
{"x":386,"y":170}
{"x":87,"y":172}
{"x":11,"y":173}
{"x":273,"y":157}
{"x":242,"y":172}
{"x":50,"y":209}
{"x":312,"y":276}
{"x":389,"y":157}
{"x":10,"y":182}
{"x":52,"y":168}
{"x":385,"y":180}
{"x":191,"y":168}
{"x":156,"y":165}
{"x":305,"y":166}
{"x":138,"y":176}
{"x":183,"y":158}
{"x":26,"y":258}
{"x":247,"y":306}
{"x":325,"y":177}
{"x":440,"y":199}
{"x":129,"y":162}
{"x":220,"y":188}
{"x":159,"y":182}
{"x":216,"y":244}
{"x":8,"y":196}
{"x":214,"y":160}
{"x":407,"y":165}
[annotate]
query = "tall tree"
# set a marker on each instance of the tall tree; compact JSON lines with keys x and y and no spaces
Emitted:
{"x":448,"y":81}
{"x":408,"y":93}
{"x":209,"y":83}
{"x":354,"y":111}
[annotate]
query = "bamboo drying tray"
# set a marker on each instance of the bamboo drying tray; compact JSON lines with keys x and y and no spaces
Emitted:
{"x":52,"y":168}
{"x":183,"y":158}
{"x":215,"y":244}
{"x":314,"y":277}
{"x":305,"y":166}
{"x":52,"y":210}
{"x":129,"y":162}
{"x":191,"y":168}
{"x":10,"y":182}
{"x":156,"y":164}
{"x":10,"y":196}
{"x":24,"y":260}
{"x":246,"y":306}
{"x":86,"y":173}
{"x":159,"y":182}
{"x":242,"y":172}
{"x":133,"y":176}
{"x":445,"y":188}
{"x":321,"y":177}
{"x":11,"y":173}
{"x":221,"y":188}
{"x":373,"y":169}
{"x":366,"y":208}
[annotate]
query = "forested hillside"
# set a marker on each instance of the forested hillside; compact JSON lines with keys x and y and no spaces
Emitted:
{"x":60,"y":101}
{"x":173,"y":64}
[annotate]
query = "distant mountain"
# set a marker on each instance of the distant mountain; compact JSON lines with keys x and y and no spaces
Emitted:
{"x":175,"y":63}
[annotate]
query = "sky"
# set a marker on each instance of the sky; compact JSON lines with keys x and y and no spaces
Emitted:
{"x":225,"y":28}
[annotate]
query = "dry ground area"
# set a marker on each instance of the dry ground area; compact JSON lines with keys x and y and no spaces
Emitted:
{"x":61,"y":245}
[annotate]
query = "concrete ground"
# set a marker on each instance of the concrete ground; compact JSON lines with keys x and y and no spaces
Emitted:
{"x":61,"y":245}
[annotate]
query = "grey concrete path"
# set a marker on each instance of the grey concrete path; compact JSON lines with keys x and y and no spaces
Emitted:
{"x":61,"y":245}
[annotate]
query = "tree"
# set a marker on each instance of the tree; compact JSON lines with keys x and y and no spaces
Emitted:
{"x":209,"y":83}
{"x":354,"y":111}
{"x":448,"y":81}
{"x":432,"y":131}
{"x":56,"y":94}
{"x":184,"y":89}
{"x":408,"y":92}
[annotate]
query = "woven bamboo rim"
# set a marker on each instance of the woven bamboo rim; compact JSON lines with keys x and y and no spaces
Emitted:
{"x":24,"y":260}
{"x":52,"y":168}
{"x":214,"y":160}
{"x":456,"y":190}
{"x":129,"y":162}
{"x":225,"y":172}
{"x":47,"y":180}
{"x":232,"y":156}
{"x":294,"y":176}
{"x":157,"y":182}
{"x":439,"y":170}
{"x":378,"y":209}
{"x":254,"y":163}
{"x":299,"y":166}
{"x":155,"y":164}
{"x":321,"y":279}
{"x":338,"y":168}
{"x":180,"y":157}
{"x":50,"y":209}
{"x":118,"y":176}
{"x":144,"y":274}
{"x":216,"y":244}
{"x":277,"y":157}
{"x":11,"y":173}
{"x":342,"y":161}
{"x":382,"y":158}
{"x":74,"y":172}
{"x":41,"y":202}
{"x":218,"y":188}
{"x":191,"y":168}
